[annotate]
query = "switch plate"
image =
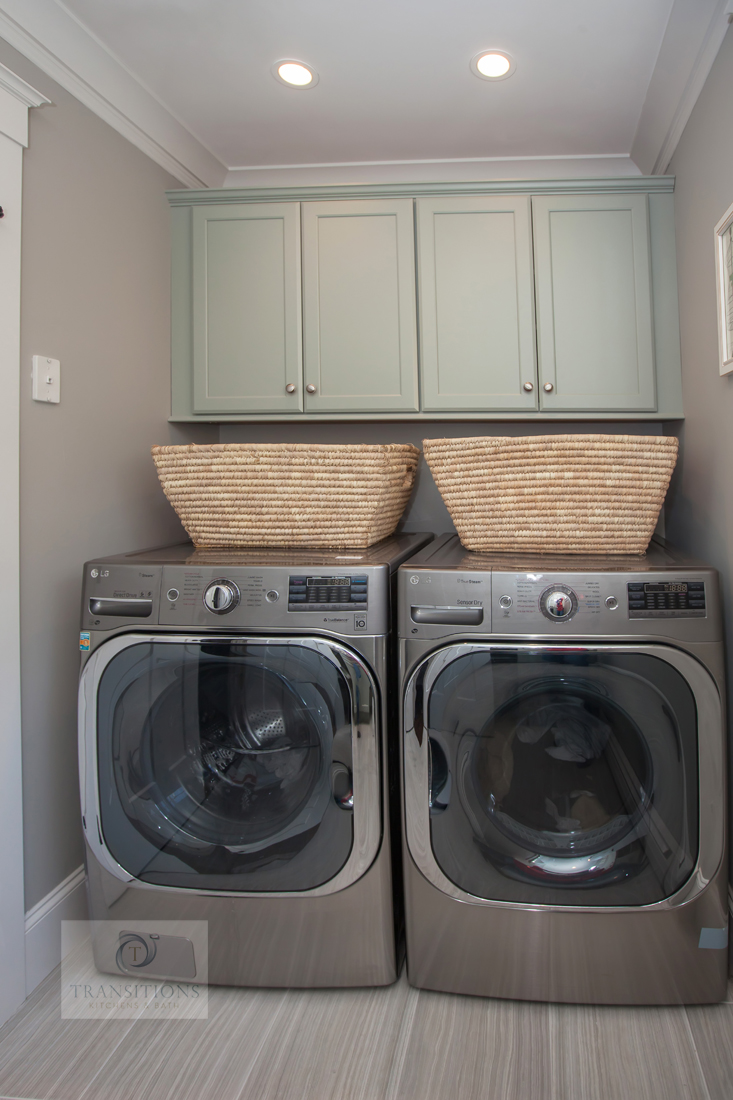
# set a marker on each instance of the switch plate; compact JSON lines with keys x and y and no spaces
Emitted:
{"x":46,"y":379}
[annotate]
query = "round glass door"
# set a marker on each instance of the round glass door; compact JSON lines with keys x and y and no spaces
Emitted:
{"x":563,"y":777}
{"x":226,"y":764}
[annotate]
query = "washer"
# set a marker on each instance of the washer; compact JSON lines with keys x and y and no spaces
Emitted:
{"x":233,"y":760}
{"x":564,"y":776}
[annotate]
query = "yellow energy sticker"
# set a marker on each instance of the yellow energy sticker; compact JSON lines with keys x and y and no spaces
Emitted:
{"x":84,"y":640}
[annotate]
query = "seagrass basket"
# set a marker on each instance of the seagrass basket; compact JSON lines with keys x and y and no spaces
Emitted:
{"x":287,"y":494}
{"x":570,"y":494}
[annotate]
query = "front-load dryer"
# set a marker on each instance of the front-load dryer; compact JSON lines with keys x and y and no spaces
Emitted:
{"x":233,"y":720}
{"x":563,"y":769}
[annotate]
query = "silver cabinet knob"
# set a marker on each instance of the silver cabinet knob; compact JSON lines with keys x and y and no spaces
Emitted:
{"x":528,"y":387}
{"x":290,"y":388}
{"x":548,"y":387}
{"x":310,"y":389}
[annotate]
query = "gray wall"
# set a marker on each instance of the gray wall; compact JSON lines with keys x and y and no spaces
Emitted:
{"x":699,"y":511}
{"x":95,"y":294}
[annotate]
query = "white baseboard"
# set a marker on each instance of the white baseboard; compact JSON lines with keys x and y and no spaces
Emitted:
{"x":67,"y":901}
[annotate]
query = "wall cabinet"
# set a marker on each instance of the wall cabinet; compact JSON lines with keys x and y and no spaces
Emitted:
{"x":557,"y":302}
{"x":595,"y":324}
{"x":246,"y":308}
{"x":476,"y":303}
{"x":359,"y":306}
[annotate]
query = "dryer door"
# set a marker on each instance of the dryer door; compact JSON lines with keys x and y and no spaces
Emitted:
{"x":558,"y":775}
{"x":222,"y":763}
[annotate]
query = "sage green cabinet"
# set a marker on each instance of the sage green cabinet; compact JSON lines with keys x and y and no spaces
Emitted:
{"x":595,"y":327}
{"x":556,"y":300}
{"x":246,"y":308}
{"x":360,"y":331}
{"x":477,"y":339}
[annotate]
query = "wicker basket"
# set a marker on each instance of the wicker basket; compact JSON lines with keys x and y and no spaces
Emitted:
{"x":287,"y":494}
{"x":572,"y":494}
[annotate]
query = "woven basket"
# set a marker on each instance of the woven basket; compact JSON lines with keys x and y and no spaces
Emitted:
{"x":572,"y":494}
{"x":287,"y":494}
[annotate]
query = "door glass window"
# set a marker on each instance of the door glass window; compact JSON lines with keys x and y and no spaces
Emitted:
{"x":563,"y":778}
{"x":226,"y":765}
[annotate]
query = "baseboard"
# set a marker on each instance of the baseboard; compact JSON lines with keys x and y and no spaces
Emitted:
{"x":67,"y":901}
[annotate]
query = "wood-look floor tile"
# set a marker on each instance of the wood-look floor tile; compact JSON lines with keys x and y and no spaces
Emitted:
{"x":333,"y":1045}
{"x":471,"y":1048}
{"x":712,"y":1033}
{"x":193,"y":1059}
{"x":620,"y":1053}
{"x":40,"y":1047}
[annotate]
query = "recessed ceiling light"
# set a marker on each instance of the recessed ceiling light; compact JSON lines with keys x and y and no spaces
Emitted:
{"x":295,"y":74}
{"x":493,"y":65}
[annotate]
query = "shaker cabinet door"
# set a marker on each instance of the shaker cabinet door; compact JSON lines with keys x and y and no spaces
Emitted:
{"x":246,"y":308}
{"x":594,"y":303}
{"x":477,"y":338}
{"x":360,"y":332}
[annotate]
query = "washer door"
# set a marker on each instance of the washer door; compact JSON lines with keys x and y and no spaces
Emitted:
{"x":230,"y":764}
{"x":556,"y":776}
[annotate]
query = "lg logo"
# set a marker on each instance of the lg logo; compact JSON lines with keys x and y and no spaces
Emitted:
{"x":414,"y":579}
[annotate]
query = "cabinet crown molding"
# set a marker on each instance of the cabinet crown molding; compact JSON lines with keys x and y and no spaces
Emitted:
{"x":649,"y":185}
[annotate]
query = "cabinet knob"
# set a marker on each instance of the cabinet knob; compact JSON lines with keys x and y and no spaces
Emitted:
{"x":290,"y":388}
{"x":528,"y":387}
{"x":310,"y":388}
{"x":548,"y":387}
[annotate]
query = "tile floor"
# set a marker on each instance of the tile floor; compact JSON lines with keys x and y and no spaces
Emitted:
{"x":369,"y":1044}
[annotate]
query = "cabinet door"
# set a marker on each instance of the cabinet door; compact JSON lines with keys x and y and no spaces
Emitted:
{"x":477,"y":342}
{"x":594,"y":302}
{"x":360,"y":331}
{"x":246,"y":308}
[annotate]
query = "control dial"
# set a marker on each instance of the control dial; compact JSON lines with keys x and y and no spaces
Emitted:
{"x":221,"y":597}
{"x":558,"y":603}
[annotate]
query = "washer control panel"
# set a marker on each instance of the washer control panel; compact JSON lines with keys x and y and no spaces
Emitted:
{"x":328,"y":593}
{"x":666,"y":599}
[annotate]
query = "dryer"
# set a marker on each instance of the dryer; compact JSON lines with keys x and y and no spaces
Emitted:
{"x":563,"y":770}
{"x":233,"y":746}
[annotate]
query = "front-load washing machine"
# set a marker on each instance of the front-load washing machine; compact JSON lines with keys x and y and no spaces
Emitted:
{"x":563,"y":776}
{"x":233,"y":714}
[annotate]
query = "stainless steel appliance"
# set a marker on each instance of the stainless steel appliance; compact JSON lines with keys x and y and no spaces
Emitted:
{"x":564,"y":776}
{"x":233,"y":738}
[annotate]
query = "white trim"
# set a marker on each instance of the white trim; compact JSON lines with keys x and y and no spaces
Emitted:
{"x":700,"y":71}
{"x":67,"y":901}
{"x":51,"y":37}
{"x":56,"y":896}
{"x":447,"y":171}
{"x":15,"y":98}
{"x":428,"y":160}
{"x":13,"y":138}
{"x":694,"y":34}
{"x":18,"y":88}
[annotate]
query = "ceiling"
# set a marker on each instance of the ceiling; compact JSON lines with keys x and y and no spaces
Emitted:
{"x":394,"y":75}
{"x":394,"y":79}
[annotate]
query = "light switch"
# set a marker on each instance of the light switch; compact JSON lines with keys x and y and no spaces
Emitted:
{"x":46,"y":379}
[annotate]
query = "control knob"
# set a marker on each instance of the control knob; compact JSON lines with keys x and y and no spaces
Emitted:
{"x":558,"y":603}
{"x":221,"y":597}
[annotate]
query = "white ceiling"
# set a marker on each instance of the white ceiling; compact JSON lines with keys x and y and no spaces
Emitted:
{"x":190,"y":80}
{"x":394,"y":74}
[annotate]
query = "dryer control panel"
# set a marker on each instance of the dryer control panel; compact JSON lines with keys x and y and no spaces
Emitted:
{"x":666,"y":599}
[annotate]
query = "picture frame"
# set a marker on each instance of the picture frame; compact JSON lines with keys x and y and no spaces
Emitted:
{"x":724,"y":282}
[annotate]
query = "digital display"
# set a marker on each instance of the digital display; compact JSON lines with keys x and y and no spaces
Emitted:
{"x":322,"y":582}
{"x":668,"y":587}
